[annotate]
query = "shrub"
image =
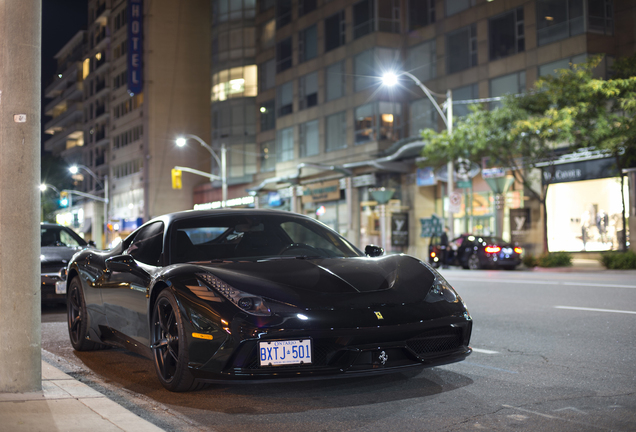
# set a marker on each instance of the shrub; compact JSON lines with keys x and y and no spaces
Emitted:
{"x":619,"y":260}
{"x":553,"y":259}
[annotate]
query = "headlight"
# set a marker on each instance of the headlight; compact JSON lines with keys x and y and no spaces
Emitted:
{"x":442,"y":290}
{"x":249,"y":303}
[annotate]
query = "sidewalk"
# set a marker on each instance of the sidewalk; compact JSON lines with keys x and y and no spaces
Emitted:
{"x":578,"y":265}
{"x":65,"y":404}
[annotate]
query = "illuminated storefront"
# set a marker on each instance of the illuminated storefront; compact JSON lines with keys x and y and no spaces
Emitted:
{"x":584,"y":206}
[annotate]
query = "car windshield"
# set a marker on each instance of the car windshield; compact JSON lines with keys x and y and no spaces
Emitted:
{"x":489,"y":240}
{"x":59,"y":236}
{"x":255,"y":237}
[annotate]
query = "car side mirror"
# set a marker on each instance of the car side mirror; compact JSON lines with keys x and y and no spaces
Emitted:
{"x":373,"y":251}
{"x":121,"y":263}
{"x":91,"y":243}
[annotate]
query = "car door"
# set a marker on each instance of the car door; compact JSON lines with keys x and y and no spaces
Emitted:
{"x":125,"y":292}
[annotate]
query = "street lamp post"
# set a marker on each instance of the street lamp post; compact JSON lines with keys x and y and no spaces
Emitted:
{"x":74,"y":170}
{"x":390,"y":79}
{"x":222,"y":162}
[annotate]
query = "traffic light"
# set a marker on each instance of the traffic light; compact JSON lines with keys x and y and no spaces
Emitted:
{"x":176,"y":179}
{"x":63,"y":199}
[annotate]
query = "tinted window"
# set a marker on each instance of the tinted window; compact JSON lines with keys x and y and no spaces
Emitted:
{"x":147,"y":244}
{"x":59,"y":236}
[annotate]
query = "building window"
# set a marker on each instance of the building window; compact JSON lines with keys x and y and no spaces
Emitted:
{"x":421,"y":61}
{"x":309,"y":141}
{"x":268,"y":156}
{"x":506,"y":34}
{"x":461,"y":46}
{"x":235,"y":82}
{"x":308,"y":91}
{"x":601,"y":16}
{"x":423,"y":115}
{"x":334,"y":31}
{"x":235,"y":43}
{"x":306,"y":6}
{"x":268,"y":34}
{"x":378,"y":121}
{"x":456,"y":6}
{"x":363,"y":18}
{"x":267,"y":4}
{"x":335,"y":81}
{"x":553,"y":67}
{"x":307,"y":44}
{"x":421,"y":13}
{"x":268,"y":74}
{"x":285,"y":99}
{"x":285,"y":144}
{"x":336,"y":136}
{"x":284,"y":55}
{"x":242,"y":160}
{"x":231,"y":10}
{"x":514,"y":83}
{"x":283,"y":13}
{"x":236,"y":118}
{"x":466,"y":93}
{"x":371,"y":64}
{"x":558,"y":19}
{"x":268,"y":115}
{"x":389,"y":16}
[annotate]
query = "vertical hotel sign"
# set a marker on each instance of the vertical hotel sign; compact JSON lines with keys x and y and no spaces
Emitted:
{"x":135,"y":33}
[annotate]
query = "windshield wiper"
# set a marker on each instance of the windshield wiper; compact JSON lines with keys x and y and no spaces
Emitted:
{"x":276,"y":258}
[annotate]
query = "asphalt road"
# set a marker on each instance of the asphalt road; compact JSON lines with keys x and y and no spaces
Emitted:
{"x":553,"y":351}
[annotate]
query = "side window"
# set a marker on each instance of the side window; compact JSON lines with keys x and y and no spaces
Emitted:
{"x":147,"y":245}
{"x":67,"y":239}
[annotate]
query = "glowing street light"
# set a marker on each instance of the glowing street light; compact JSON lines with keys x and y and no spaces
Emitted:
{"x":390,"y":79}
{"x":222,"y":162}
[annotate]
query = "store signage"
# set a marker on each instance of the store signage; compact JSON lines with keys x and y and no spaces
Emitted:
{"x":135,"y":52}
{"x":322,"y":191}
{"x":519,"y":225}
{"x":242,"y":201}
{"x":431,"y":227}
{"x":399,"y":229}
{"x":576,"y":171}
{"x":363,"y":180}
{"x":425,"y":176}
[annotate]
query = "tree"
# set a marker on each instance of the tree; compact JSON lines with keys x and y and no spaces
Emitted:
{"x":562,"y":113}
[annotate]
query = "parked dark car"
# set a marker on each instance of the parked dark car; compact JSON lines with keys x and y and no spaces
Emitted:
{"x":58,"y":244}
{"x":212,"y":296}
{"x":477,"y":252}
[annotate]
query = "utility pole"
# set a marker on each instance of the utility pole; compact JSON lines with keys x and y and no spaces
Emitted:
{"x":20,"y":117}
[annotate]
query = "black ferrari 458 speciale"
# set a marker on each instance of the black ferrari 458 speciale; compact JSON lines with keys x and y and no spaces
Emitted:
{"x":225,"y":294}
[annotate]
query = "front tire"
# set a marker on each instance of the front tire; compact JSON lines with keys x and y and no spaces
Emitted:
{"x":77,"y":318}
{"x":169,"y":345}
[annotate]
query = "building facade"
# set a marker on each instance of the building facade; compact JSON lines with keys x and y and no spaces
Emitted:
{"x":324,"y":122}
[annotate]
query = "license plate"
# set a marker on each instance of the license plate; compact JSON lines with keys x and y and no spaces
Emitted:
{"x":507,"y":251}
{"x":285,"y":352}
{"x":60,"y":287}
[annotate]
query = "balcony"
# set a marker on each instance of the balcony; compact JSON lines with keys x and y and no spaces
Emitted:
{"x":59,"y":84}
{"x":73,"y":93}
{"x":72,"y":115}
{"x":57,"y":143}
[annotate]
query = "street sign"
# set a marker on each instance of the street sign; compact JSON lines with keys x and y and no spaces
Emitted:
{"x":455,"y":202}
{"x":431,"y":227}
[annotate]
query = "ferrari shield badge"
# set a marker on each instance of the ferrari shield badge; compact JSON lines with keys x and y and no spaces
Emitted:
{"x":379,"y":315}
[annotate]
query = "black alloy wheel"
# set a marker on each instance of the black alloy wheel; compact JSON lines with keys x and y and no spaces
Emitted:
{"x":78,"y":318}
{"x":169,"y":345}
{"x":473,"y":262}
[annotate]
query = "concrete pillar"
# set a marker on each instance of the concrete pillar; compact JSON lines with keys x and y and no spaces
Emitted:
{"x":20,"y":116}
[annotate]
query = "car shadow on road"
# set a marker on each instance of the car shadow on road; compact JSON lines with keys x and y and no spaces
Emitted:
{"x":136,"y":373}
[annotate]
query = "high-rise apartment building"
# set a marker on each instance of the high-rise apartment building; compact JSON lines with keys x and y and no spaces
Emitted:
{"x":143,"y":80}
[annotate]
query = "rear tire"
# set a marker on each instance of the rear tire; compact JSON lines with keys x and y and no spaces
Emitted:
{"x":77,"y":318}
{"x":169,"y":345}
{"x":473,"y":262}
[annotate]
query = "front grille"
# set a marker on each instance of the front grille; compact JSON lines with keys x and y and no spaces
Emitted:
{"x":436,"y":341}
{"x":52,"y":267}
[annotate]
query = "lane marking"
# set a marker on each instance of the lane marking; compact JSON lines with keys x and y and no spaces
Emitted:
{"x":485,"y":351}
{"x":557,"y":418}
{"x":543,"y":282}
{"x":595,"y":309}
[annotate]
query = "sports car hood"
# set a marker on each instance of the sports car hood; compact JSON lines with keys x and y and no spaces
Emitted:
{"x":303,"y":282}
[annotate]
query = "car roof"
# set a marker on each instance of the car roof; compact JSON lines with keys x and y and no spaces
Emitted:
{"x":192,"y":214}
